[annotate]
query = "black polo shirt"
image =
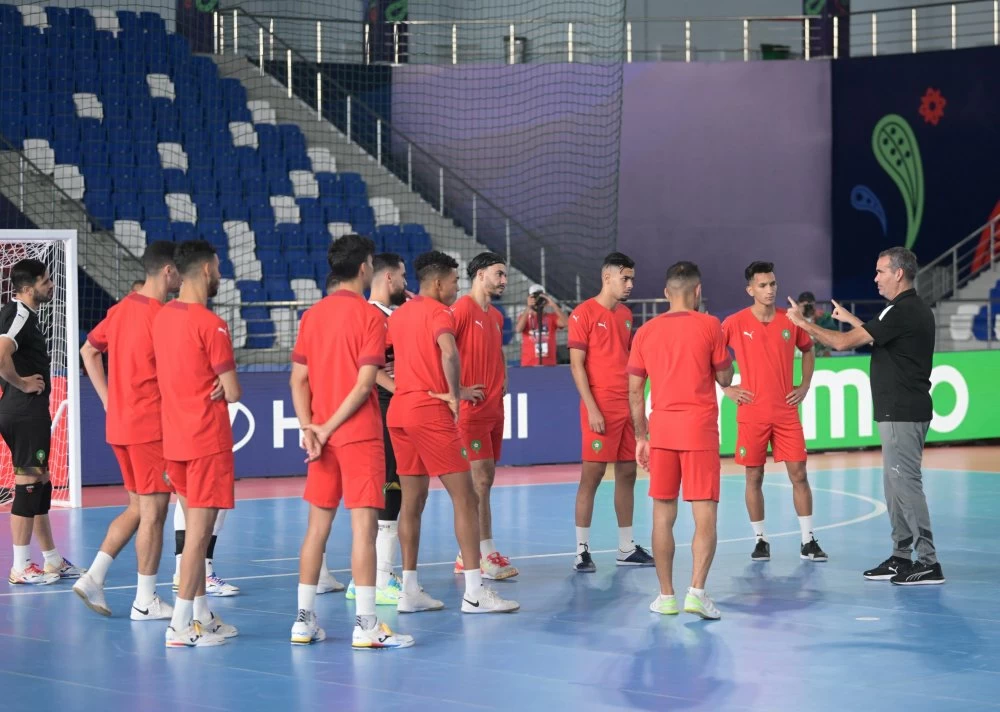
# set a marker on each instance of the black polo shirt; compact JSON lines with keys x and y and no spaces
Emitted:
{"x":19,"y":323}
{"x":903,"y":335}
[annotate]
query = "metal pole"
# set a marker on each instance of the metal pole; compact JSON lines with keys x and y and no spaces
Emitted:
{"x":746,"y":40}
{"x":378,"y":141}
{"x":569,"y":43}
{"x":806,"y":46}
{"x":288,"y":72}
{"x":454,"y":44}
{"x":395,"y":43}
{"x":996,"y":22}
{"x":578,"y":293}
{"x":409,"y":166}
{"x":319,"y":43}
{"x":507,"y":239}
{"x":236,"y":34}
{"x":475,"y":216}
{"x":222,"y":34}
{"x":512,"y":44}
{"x":270,"y":32}
{"x":913,"y":30}
{"x":441,"y":190}
{"x":319,"y":96}
{"x":687,"y":40}
{"x":215,"y":33}
{"x":348,"y":118}
{"x":628,"y":42}
{"x":260,"y":50}
{"x":20,"y":161}
{"x":874,"y":34}
{"x":836,"y":37}
{"x":543,"y":266}
{"x":367,"y":44}
{"x":954,"y":27}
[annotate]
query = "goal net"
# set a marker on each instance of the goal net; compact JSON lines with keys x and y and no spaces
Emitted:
{"x":58,"y":318}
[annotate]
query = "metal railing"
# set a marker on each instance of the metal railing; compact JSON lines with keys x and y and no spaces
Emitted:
{"x":975,"y":253}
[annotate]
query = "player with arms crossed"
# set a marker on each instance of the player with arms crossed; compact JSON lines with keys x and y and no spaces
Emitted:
{"x":193,"y":351}
{"x":600,"y":332}
{"x":683,"y":353}
{"x":479,"y":334}
{"x":423,"y":426}
{"x":764,"y":341}
{"x":26,"y":423}
{"x":131,"y":398}
{"x":339,"y":350}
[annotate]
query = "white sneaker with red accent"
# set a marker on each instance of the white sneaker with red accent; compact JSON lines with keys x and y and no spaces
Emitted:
{"x":497,"y":567}
{"x":66,"y":570}
{"x":460,"y":565}
{"x":32,"y":575}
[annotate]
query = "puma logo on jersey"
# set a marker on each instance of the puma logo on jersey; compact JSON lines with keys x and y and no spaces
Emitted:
{"x":224,"y":330}
{"x":478,"y":323}
{"x":602,"y":325}
{"x":748,"y":334}
{"x":575,"y":317}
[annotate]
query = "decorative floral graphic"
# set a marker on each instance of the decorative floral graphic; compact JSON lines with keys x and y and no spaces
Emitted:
{"x":932,"y":106}
{"x":895,"y":148}
{"x":863,"y":199}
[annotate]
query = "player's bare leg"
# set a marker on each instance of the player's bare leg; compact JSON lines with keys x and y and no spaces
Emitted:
{"x":413,"y":598}
{"x":369,"y":633}
{"x":311,"y":556}
{"x":90,"y":586}
{"x":494,"y":565}
{"x":705,"y":513}
{"x":26,"y":495}
{"x":591,"y":476}
{"x":664,"y":516}
{"x":629,"y":553}
{"x":754,"y":496}
{"x":802,"y":497}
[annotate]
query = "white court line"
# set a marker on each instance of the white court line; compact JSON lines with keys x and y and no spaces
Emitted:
{"x":879,"y":510}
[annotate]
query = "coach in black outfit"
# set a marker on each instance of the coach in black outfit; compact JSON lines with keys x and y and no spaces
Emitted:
{"x":903,"y":338}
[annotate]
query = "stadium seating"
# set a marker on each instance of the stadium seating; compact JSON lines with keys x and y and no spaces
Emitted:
{"x":158,"y":146}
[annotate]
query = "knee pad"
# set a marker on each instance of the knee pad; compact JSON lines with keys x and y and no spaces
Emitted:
{"x":46,"y":497}
{"x":29,"y":500}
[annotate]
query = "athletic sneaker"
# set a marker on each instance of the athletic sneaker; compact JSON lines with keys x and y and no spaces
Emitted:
{"x":417,"y":602}
{"x":306,"y":630}
{"x":387,"y":595}
{"x":664,"y":605}
{"x":215,"y":626}
{"x":217,"y":586}
{"x":488,"y":602}
{"x":701,"y":606}
{"x":379,"y":637}
{"x":32,"y":575}
{"x":194,"y":636}
{"x":637,"y":557}
{"x":811,"y":551}
{"x":919,"y":574}
{"x":460,"y":565}
{"x":888,"y":569}
{"x":328,"y":584}
{"x":92,"y":594}
{"x":155,"y":610}
{"x":583,"y":563}
{"x":65,"y":570}
{"x":761,"y":552}
{"x":497,"y":567}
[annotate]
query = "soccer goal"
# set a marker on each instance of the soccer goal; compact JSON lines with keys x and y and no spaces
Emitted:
{"x":57,"y":249}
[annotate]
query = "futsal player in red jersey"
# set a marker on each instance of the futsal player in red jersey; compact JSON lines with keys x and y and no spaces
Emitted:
{"x":479,"y":334}
{"x":600,"y":332}
{"x":423,"y":425}
{"x":764,"y":341}
{"x":131,"y":399}
{"x":339,"y":350}
{"x":683,"y":354}
{"x":193,"y":353}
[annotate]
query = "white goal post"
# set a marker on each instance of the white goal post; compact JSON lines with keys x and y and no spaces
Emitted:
{"x":59,"y":321}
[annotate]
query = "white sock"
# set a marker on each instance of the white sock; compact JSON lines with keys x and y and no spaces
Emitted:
{"x":98,"y":570}
{"x":145,"y":592}
{"x":758,"y":529}
{"x":209,"y":568}
{"x":307,"y":597}
{"x":385,"y":551}
{"x":220,"y":519}
{"x":625,"y":541}
{"x":410,"y":585}
{"x":582,"y":539}
{"x":202,"y":613}
{"x":365,"y":607}
{"x":699,"y":592}
{"x":486,"y":547}
{"x":52,"y":557}
{"x":179,"y":524}
{"x":183,"y":613}
{"x":323,"y":571}
{"x":177,"y":566}
{"x":22,"y":555}
{"x":473,"y":582}
{"x":806,"y":528}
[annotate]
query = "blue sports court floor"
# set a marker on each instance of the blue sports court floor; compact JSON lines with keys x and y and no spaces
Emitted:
{"x":794,"y":635}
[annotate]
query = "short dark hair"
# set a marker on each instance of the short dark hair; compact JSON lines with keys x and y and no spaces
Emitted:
{"x":482,"y":261}
{"x":332,"y":280}
{"x":386,"y":261}
{"x":25,"y":273}
{"x":806,"y":297}
{"x":682,"y":274}
{"x":757,"y":267}
{"x":618,"y":259}
{"x":347,"y":254}
{"x":137,"y":283}
{"x":904,"y":259}
{"x":192,"y":254}
{"x":158,"y":255}
{"x":434,"y":265}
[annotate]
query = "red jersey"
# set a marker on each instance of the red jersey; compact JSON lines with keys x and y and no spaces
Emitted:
{"x":680,"y":354}
{"x":605,"y":337}
{"x":765,"y":354}
{"x":480,"y":347}
{"x":192,"y":348}
{"x":335,"y":356}
{"x":413,"y":333}
{"x":126,"y":335}
{"x":531,"y":336}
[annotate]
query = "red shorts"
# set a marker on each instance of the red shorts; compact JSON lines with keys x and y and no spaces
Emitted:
{"x":616,"y":444}
{"x":787,"y":441}
{"x":205,"y":482}
{"x":144,"y":471}
{"x":433,"y":449}
{"x":699,"y":470}
{"x":354,"y":471}
{"x":482,"y":439}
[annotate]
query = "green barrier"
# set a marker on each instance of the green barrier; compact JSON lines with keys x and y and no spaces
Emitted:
{"x":837,"y":413}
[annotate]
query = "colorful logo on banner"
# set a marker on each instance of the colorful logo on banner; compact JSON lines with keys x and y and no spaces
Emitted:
{"x":896,"y":150}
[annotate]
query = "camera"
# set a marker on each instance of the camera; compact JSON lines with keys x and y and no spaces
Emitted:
{"x":540,"y":301}
{"x":808,"y":310}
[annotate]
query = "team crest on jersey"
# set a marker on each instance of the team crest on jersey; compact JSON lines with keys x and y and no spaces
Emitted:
{"x":743,"y":452}
{"x":786,"y":334}
{"x":40,"y":456}
{"x":628,"y":323}
{"x":596,"y":445}
{"x":477,"y":445}
{"x":465,"y":453}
